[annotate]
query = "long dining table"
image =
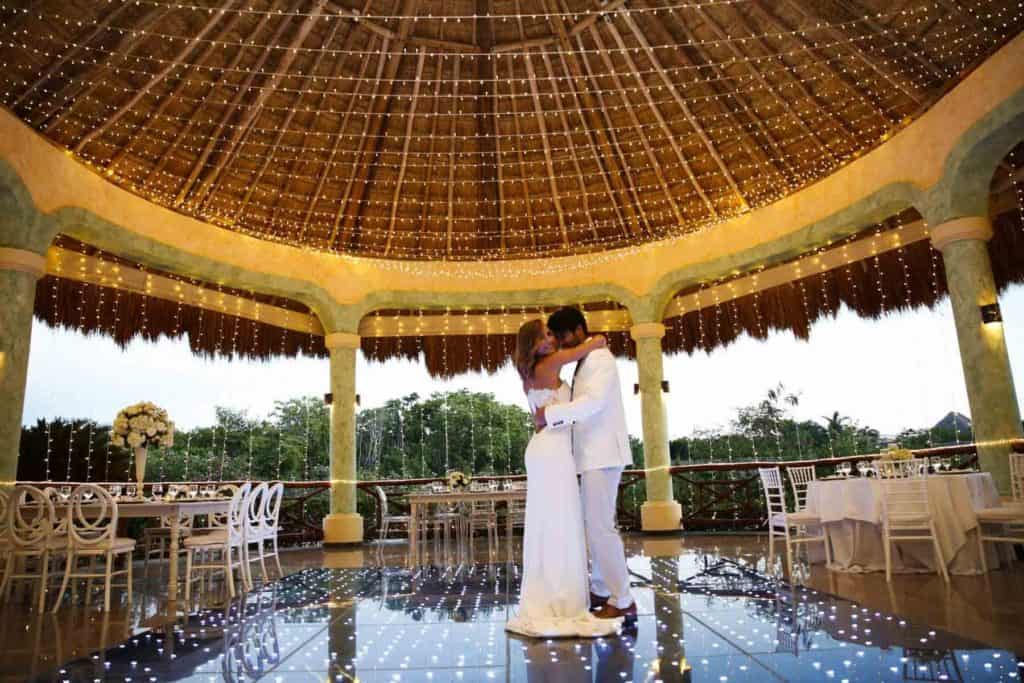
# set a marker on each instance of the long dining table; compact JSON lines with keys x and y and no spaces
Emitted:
{"x":422,"y":500}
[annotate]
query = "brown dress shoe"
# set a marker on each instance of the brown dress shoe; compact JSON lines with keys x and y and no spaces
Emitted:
{"x":597,"y":600}
{"x":612,"y":612}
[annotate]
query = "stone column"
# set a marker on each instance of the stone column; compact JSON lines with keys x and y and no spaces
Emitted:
{"x":993,"y":400}
{"x":19,"y":271}
{"x":661,"y":512}
{"x":343,"y":524}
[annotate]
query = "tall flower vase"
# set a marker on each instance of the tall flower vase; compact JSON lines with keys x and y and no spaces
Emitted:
{"x":140,"y":468}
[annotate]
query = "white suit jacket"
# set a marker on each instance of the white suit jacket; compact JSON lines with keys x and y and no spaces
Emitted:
{"x":595,"y":414}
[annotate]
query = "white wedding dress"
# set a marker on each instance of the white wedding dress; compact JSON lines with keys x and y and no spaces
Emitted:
{"x":554,"y":598}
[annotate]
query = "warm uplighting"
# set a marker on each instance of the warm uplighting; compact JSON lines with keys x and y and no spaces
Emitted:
{"x":990,"y":314}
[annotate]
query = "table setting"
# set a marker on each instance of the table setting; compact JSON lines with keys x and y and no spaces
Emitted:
{"x":850,"y":506}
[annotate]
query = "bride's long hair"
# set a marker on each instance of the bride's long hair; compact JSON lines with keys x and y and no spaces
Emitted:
{"x":529,"y":337}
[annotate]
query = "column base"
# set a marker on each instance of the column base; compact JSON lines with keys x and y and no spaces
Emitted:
{"x":661,"y":515}
{"x":343,"y":528}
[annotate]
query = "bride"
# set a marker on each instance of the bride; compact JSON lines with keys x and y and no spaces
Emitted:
{"x":555,"y":588}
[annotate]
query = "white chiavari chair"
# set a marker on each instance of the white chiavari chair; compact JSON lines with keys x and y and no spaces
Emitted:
{"x":1008,"y":519}
{"x":517,"y":508}
{"x":227,"y":541}
{"x":31,"y":523}
{"x":791,"y":526}
{"x":800,"y":478}
{"x":388,"y":520}
{"x":253,"y":533}
{"x":92,"y":533}
{"x":902,"y":469}
{"x":907,"y":516}
{"x":270,"y":523}
{"x":482,"y":515}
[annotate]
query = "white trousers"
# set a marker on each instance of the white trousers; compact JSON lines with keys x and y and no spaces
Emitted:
{"x":608,"y":573}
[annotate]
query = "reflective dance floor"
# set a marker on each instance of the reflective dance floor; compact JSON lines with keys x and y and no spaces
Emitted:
{"x":702,"y":617}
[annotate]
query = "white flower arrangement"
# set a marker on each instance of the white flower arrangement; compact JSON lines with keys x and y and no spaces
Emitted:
{"x":457,"y":480}
{"x":142,"y":425}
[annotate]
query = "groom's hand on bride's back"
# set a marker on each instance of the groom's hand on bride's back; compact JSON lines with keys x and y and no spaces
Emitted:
{"x":539,"y":421}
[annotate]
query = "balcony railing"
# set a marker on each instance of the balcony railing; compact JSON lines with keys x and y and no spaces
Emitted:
{"x":714,"y":496}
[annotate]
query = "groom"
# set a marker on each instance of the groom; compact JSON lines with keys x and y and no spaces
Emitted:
{"x":601,"y":450}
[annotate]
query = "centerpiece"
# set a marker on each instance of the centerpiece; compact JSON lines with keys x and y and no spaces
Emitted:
{"x":138,"y":427}
{"x":457,"y":481}
{"x":895,"y":453}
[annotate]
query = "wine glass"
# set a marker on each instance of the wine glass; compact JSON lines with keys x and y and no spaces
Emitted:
{"x":844,"y":469}
{"x":116,"y":490}
{"x":158,"y":490}
{"x":192,"y":491}
{"x":131,"y":491}
{"x":86,"y":495}
{"x":65,"y":492}
{"x":947,"y":464}
{"x":172,"y":491}
{"x":208,"y":490}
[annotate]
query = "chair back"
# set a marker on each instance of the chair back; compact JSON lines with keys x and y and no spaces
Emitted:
{"x":4,"y":499}
{"x":774,"y":494}
{"x":382,"y":500}
{"x":30,"y":517}
{"x":254,"y":510}
{"x":799,"y":479}
{"x":1017,"y":476}
{"x":237,"y":513}
{"x":272,"y":507}
{"x":60,"y":524}
{"x":905,"y":501}
{"x":219,"y":520}
{"x":902,"y":469}
{"x":92,"y":516}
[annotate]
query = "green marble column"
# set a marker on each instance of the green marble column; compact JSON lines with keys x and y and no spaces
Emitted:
{"x":986,"y":363}
{"x":343,"y":524}
{"x":19,"y":271}
{"x":661,"y":512}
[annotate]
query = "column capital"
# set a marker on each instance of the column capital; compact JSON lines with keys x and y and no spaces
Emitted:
{"x":966,"y":228}
{"x":341,"y":340}
{"x":22,"y":260}
{"x":647,"y":331}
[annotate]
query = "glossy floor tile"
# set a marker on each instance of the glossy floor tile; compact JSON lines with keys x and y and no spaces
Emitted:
{"x":702,"y":617}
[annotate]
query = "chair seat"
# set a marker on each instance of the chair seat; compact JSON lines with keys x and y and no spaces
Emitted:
{"x":794,"y":518}
{"x":1003,"y":514}
{"x":216,"y":537}
{"x":164,"y":532}
{"x":114,"y":544}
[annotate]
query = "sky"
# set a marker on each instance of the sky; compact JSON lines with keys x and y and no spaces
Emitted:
{"x":901,"y":371}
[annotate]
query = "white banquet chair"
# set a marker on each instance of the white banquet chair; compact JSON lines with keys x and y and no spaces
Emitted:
{"x":156,"y":540}
{"x":1008,"y":518}
{"x":31,"y":524}
{"x":800,"y":478}
{"x":270,"y":525}
{"x":387,"y":520}
{"x":227,"y":541}
{"x":253,"y":533}
{"x":791,"y":526}
{"x":92,"y":534}
{"x":907,"y":515}
{"x":482,"y":514}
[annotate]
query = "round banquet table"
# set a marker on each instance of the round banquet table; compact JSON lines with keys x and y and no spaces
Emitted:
{"x":851,"y":510}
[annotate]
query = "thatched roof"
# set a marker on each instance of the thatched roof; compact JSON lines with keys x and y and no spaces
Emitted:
{"x":476,"y":129}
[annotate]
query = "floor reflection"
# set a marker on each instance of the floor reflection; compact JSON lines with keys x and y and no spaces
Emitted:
{"x":702,"y":617}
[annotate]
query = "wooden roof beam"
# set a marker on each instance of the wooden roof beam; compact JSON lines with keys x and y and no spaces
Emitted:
{"x":450,"y":223}
{"x":229,"y":111}
{"x":584,"y":199}
{"x":376,"y":117}
{"x":718,"y":88}
{"x":490,"y":192}
{"x":524,"y":44}
{"x":538,"y":110}
{"x":180,"y":86}
{"x":907,"y":86}
{"x":765,"y":84}
{"x":519,"y":153}
{"x":268,"y":88}
{"x":425,"y":201}
{"x":385,"y":56}
{"x":175,"y":63}
{"x":821,"y":59}
{"x":77,"y":46}
{"x":192,"y":121}
{"x":284,"y":127}
{"x":82,"y":85}
{"x":652,"y":158}
{"x":679,"y":100}
{"x":405,"y":148}
{"x":910,"y":48}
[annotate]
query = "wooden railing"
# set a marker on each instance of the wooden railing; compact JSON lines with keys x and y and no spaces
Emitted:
{"x":713,"y":496}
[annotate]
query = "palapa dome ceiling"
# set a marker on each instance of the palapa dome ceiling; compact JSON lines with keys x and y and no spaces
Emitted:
{"x":483,"y":129}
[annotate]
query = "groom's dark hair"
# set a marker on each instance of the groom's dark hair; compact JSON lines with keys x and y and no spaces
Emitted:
{"x":567,"y":319}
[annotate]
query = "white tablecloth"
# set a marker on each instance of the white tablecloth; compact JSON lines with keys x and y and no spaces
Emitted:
{"x":851,"y":510}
